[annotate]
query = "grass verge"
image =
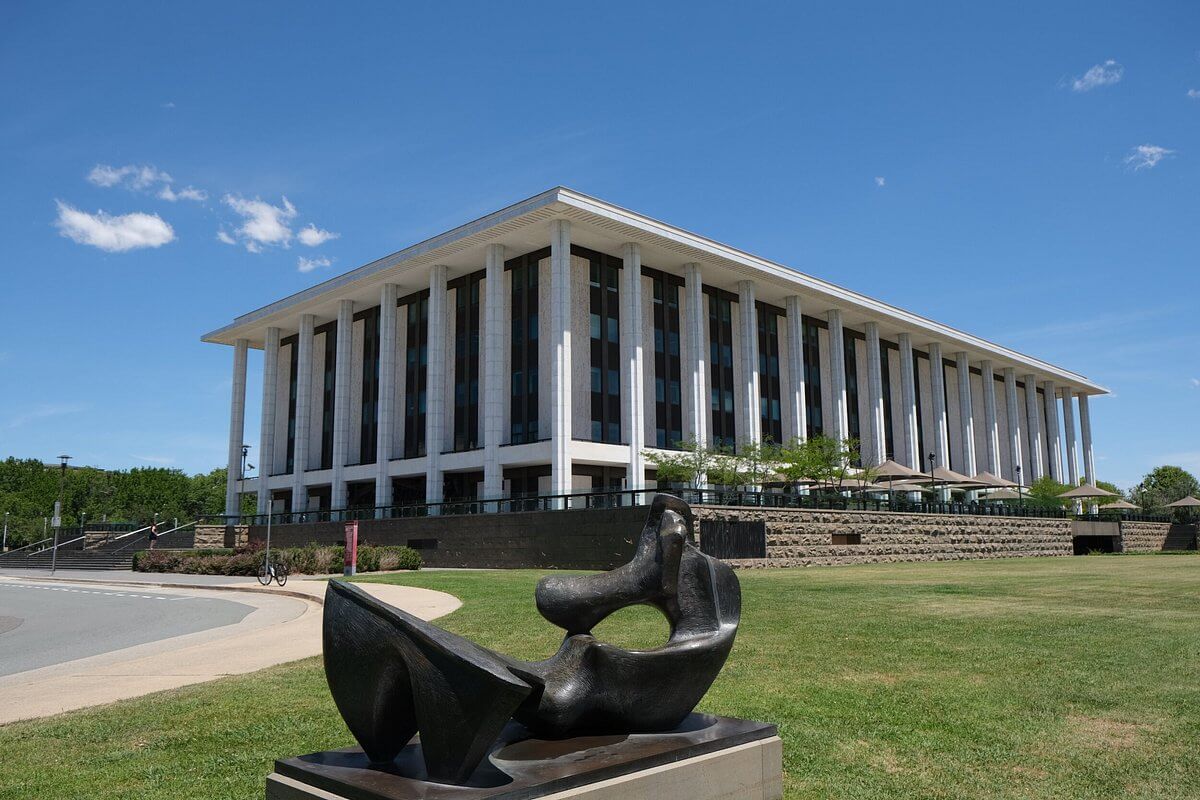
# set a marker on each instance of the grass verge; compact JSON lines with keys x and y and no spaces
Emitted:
{"x":1031,"y":678}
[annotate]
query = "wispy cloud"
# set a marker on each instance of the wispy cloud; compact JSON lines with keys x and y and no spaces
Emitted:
{"x":141,"y":178}
{"x":880,"y":181}
{"x":1105,"y":74}
{"x":313,"y":236}
{"x":309,"y":264}
{"x":1147,"y":156}
{"x":113,"y":234}
{"x":264,"y":225}
{"x":1195,"y":383}
{"x":1115,"y":321}
{"x":186,"y":193}
{"x":164,"y":460}
{"x":224,"y":237}
{"x":1194,"y":94}
{"x":44,"y":411}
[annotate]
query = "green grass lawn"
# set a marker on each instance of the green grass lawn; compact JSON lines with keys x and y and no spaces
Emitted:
{"x":1031,"y":678}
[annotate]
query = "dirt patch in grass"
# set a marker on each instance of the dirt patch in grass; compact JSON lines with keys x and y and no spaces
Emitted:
{"x":1104,"y":733}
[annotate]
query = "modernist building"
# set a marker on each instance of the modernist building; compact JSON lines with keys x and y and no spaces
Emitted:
{"x":544,"y":347}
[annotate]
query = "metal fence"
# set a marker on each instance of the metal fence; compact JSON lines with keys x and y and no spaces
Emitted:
{"x":625,"y":498}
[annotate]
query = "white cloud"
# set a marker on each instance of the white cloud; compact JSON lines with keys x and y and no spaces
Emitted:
{"x":265,"y":224}
{"x":186,"y":193}
{"x":1196,"y":382}
{"x":309,"y":264}
{"x":44,"y":411}
{"x":1105,"y":74}
{"x":113,"y":234}
{"x":1193,"y":93}
{"x":130,"y":176}
{"x":1147,"y":156}
{"x":222,"y":236}
{"x":312,"y":236}
{"x":880,"y":181}
{"x":164,"y":460}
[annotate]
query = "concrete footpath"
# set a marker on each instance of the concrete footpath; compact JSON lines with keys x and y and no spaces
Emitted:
{"x":285,"y":625}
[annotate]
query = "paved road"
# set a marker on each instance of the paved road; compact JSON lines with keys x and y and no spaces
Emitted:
{"x":52,"y":622}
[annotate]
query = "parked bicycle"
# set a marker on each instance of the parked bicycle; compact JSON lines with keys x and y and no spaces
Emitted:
{"x":272,"y":571}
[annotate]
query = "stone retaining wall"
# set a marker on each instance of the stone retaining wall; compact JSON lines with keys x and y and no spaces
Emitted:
{"x":212,"y":536}
{"x":803,"y":537}
{"x":1154,"y":537}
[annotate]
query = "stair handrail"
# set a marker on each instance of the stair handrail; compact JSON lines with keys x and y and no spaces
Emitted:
{"x":123,"y":548}
{"x":42,"y":541}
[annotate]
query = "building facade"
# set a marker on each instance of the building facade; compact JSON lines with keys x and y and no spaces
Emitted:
{"x":544,"y":348}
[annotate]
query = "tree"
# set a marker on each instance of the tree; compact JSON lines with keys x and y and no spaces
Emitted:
{"x":690,"y":464}
{"x":1163,"y":485}
{"x":821,"y":459}
{"x":1045,"y":492}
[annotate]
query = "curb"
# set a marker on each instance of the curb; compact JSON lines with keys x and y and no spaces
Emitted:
{"x":316,"y":599}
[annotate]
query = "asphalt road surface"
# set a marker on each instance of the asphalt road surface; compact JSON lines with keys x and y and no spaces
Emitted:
{"x":51,"y":623}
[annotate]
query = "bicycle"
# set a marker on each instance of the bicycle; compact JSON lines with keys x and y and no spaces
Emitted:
{"x":269,"y":571}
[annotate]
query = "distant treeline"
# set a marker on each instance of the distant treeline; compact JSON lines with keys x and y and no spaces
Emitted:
{"x":28,"y":489}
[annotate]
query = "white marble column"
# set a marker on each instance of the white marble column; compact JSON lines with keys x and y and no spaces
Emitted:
{"x":966,"y":415}
{"x":266,"y":437}
{"x":495,"y":383}
{"x":1037,"y":462}
{"x":633,"y":390}
{"x":912,"y":457}
{"x":385,"y":405}
{"x":750,"y":425}
{"x":795,"y":400}
{"x":304,"y":370}
{"x":837,"y":375}
{"x":990,"y":423}
{"x":878,"y":426}
{"x":435,"y":385}
{"x":1054,"y":432}
{"x":941,"y":423}
{"x":1068,"y":408}
{"x":341,"y":402}
{"x":1014,"y":425}
{"x":237,"y":429}
{"x":1085,"y":430}
{"x":560,"y":359}
{"x":697,"y":343}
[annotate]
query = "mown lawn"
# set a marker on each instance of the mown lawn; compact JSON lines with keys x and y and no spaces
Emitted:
{"x":1050,"y":678}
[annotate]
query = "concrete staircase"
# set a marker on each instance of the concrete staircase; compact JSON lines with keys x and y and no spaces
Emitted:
{"x":107,"y":553}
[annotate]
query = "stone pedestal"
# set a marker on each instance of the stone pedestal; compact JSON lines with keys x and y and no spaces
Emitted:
{"x":706,"y":758}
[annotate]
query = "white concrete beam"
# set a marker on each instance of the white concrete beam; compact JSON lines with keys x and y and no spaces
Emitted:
{"x":633,"y":390}
{"x":1015,"y":434}
{"x":341,"y":402}
{"x":990,"y":423}
{"x":750,"y":425}
{"x":496,"y":334}
{"x":266,"y":440}
{"x":304,"y":370}
{"x":696,"y":339}
{"x":237,"y":429}
{"x":911,"y":456}
{"x":560,"y":347}
{"x":386,"y":403}
{"x":796,"y":402}
{"x":1037,"y":456}
{"x":435,"y":385}
{"x":878,"y":425}
{"x":941,"y":424}
{"x":837,"y":373}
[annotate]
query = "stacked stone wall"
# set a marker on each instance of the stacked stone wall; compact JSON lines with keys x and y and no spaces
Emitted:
{"x":803,"y":537}
{"x":1155,"y":537}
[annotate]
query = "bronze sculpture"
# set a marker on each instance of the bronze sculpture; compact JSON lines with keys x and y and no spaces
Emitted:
{"x":393,"y":675}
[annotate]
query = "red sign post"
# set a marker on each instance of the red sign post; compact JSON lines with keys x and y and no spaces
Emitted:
{"x":351,"y":564}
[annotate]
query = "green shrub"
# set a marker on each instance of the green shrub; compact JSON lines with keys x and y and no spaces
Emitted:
{"x":312,"y":559}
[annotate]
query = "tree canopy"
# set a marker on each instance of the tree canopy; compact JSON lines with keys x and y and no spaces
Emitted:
{"x":1163,"y":485}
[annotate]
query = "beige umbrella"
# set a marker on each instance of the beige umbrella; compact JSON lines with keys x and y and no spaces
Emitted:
{"x":1004,"y":494}
{"x":1187,"y":502}
{"x":1088,"y":490}
{"x":1124,"y":505}
{"x":893,"y":471}
{"x":988,"y":479}
{"x":943,"y":475}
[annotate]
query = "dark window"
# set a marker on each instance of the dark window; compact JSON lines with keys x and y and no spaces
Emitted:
{"x":523,"y":412}
{"x":885,"y":369}
{"x":769,"y":391}
{"x":603,"y":276}
{"x":852,"y":415}
{"x":466,"y":361}
{"x":329,"y":384}
{"x":367,"y":444}
{"x":293,"y":343}
{"x":720,"y":346}
{"x":917,"y":400}
{"x":812,"y":378}
{"x":416,"y":372}
{"x":458,"y":486}
{"x":523,"y":481}
{"x":668,"y":395}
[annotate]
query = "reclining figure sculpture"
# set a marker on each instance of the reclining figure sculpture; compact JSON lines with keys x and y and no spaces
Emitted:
{"x":393,"y":675}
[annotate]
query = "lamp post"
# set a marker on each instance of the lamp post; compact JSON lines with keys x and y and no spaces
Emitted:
{"x":932,"y":467}
{"x":62,"y":482}
{"x":1020,"y":496}
{"x":242,"y":479}
{"x":4,"y":541}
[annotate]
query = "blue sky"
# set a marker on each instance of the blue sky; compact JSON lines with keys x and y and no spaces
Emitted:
{"x":1027,"y":172}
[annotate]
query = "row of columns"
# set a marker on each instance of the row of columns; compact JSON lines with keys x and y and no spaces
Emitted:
{"x":495,"y":333}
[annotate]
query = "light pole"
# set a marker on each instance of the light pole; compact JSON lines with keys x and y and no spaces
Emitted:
{"x":4,"y":541}
{"x":242,"y":479}
{"x":1020,"y":496}
{"x":932,"y":467}
{"x":62,"y":482}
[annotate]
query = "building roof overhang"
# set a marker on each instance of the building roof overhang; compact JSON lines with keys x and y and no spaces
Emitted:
{"x":596,"y":224}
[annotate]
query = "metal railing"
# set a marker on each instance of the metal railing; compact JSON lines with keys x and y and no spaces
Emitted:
{"x":623,"y":498}
{"x":1121,"y":516}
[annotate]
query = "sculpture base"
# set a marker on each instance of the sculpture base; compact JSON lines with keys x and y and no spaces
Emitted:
{"x":706,"y":758}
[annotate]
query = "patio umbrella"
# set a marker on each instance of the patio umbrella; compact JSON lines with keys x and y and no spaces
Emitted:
{"x":1004,"y":494}
{"x":950,"y":479}
{"x":893,"y":471}
{"x":988,"y":479}
{"x":1187,"y":502}
{"x":1123,"y":505}
{"x":1088,"y":490}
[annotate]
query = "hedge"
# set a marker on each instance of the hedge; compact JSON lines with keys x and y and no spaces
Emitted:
{"x":312,"y":559}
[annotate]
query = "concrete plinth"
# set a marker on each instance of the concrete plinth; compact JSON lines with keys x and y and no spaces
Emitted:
{"x":708,"y":758}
